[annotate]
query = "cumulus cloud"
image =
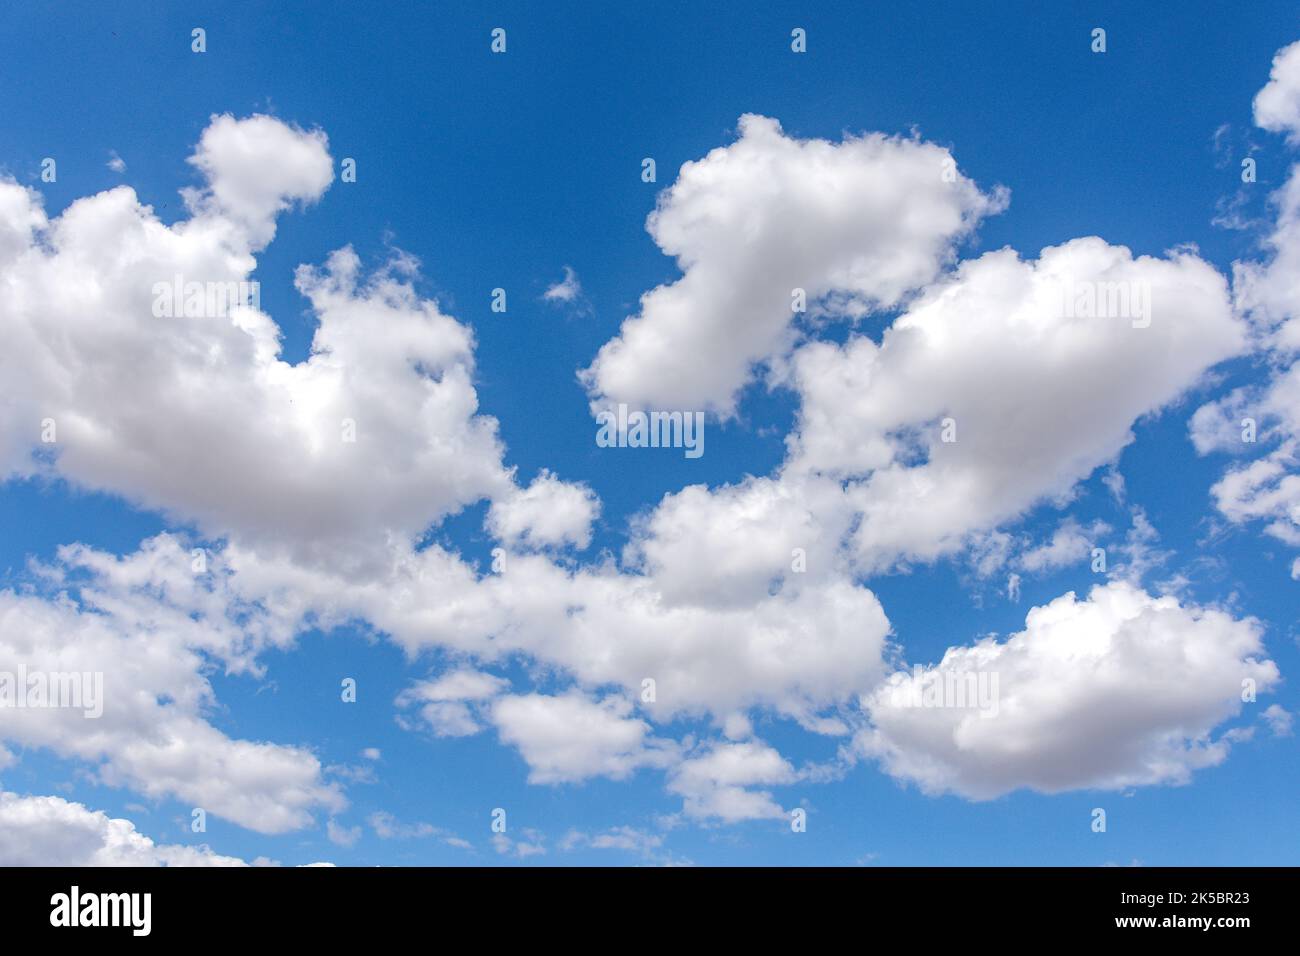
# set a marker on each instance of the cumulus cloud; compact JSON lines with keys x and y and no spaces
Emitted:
{"x":1070,"y":543}
{"x":1117,"y":690}
{"x":147,"y":624}
{"x":547,"y":512}
{"x":720,"y":781}
{"x":1265,"y":419}
{"x":570,"y":738}
{"x":51,"y":831}
{"x":811,"y":644}
{"x":341,"y":835}
{"x":1280,"y":720}
{"x":991,"y":394}
{"x":254,"y":169}
{"x":449,"y":705}
{"x":728,"y":598}
{"x":745,"y":595}
{"x":1277,"y":105}
{"x":868,"y":219}
{"x":286,"y":457}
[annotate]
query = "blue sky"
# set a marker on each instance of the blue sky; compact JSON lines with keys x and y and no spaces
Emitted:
{"x":502,"y":170}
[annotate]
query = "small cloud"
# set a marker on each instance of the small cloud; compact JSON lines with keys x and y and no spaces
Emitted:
{"x":342,"y":836}
{"x":1280,"y":721}
{"x":115,"y":162}
{"x":371,"y":753}
{"x":388,"y":827}
{"x":520,"y":848}
{"x":357,"y":773}
{"x":1220,"y":141}
{"x":615,"y":838}
{"x":566,"y":290}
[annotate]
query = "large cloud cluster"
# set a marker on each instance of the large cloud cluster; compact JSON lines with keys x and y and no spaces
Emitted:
{"x":999,"y":384}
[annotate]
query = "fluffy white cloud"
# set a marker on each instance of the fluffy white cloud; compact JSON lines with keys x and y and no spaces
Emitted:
{"x":718,"y":781}
{"x":743,"y":596}
{"x":1269,"y":290}
{"x":340,"y":835}
{"x":730,"y":547}
{"x":254,"y":169}
{"x":1277,"y":105}
{"x":571,"y":738}
{"x":449,"y":704}
{"x":1039,"y":392}
{"x":1280,"y":720}
{"x":197,"y":415}
{"x":1267,"y":488}
{"x":51,"y":831}
{"x":1070,"y":543}
{"x":147,"y":625}
{"x":547,"y":512}
{"x":868,"y":220}
{"x":814,"y":643}
{"x":1117,"y":690}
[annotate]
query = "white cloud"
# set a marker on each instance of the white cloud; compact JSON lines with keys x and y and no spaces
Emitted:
{"x":724,"y":547}
{"x":1267,"y":488}
{"x":1118,"y":690}
{"x":1269,"y":290}
{"x":532,"y":845}
{"x":869,"y":219}
{"x":51,"y":831}
{"x":341,"y":835}
{"x":816,"y":642}
{"x":626,"y":839}
{"x":1280,"y":720}
{"x":131,"y":394}
{"x":549,"y":512}
{"x":571,"y":738}
{"x":1038,"y":398}
{"x":1071,"y":543}
{"x":711,"y":601}
{"x":717,"y":783}
{"x":1277,"y":105}
{"x":449,"y":705}
{"x":146,"y":623}
{"x":255,"y":169}
{"x":566,"y":290}
{"x":388,"y":827}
